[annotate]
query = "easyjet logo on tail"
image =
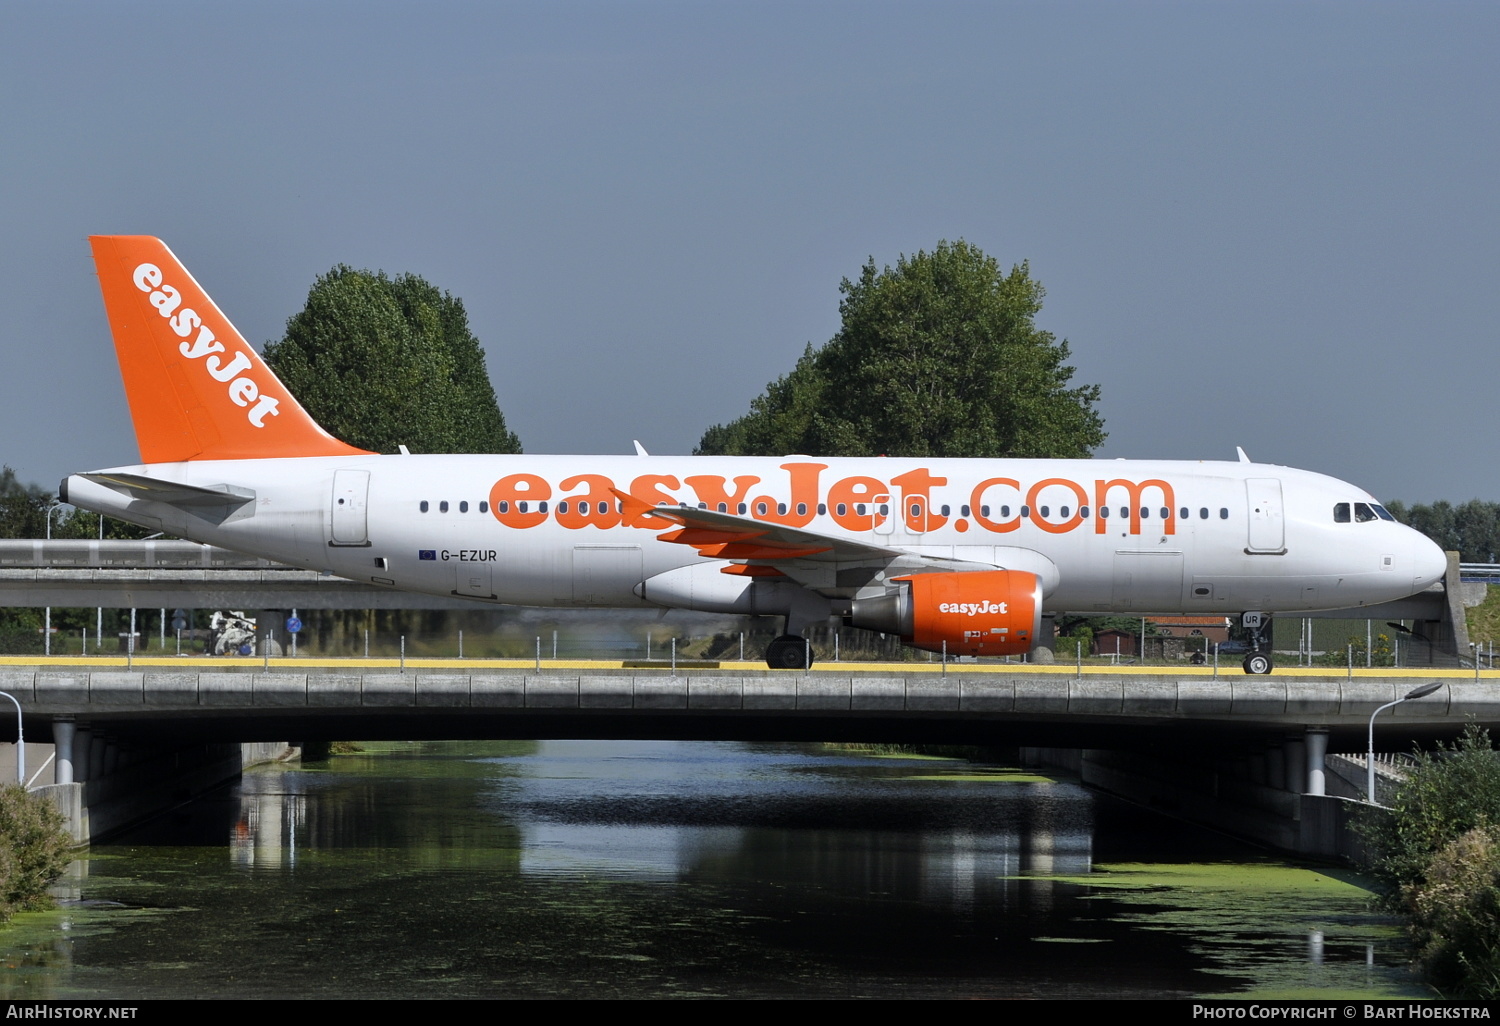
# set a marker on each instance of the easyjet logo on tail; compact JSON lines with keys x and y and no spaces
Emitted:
{"x":243,"y":390}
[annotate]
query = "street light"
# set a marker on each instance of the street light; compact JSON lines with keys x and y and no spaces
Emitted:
{"x":47,"y":623}
{"x":1421,"y":692}
{"x":20,"y":742}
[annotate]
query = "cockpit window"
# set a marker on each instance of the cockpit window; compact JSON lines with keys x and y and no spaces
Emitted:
{"x":1341,"y":513}
{"x":1363,"y":514}
{"x":1383,"y":513}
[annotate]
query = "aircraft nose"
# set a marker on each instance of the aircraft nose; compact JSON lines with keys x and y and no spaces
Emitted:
{"x":1429,"y":563}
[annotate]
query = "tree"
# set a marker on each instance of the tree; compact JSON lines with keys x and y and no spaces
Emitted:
{"x":1472,"y":529}
{"x":382,"y":362}
{"x":938,"y":356}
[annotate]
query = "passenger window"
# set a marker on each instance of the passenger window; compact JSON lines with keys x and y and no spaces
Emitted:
{"x":1166,"y":514}
{"x":760,"y":509}
{"x":1083,"y":511}
{"x":1145,"y":513}
{"x":944,"y":511}
{"x":1025,"y":512}
{"x":541,"y":507}
{"x":985,"y":511}
{"x":703,"y":505}
{"x":1341,"y":513}
{"x":802,"y":509}
{"x":521,"y":507}
{"x":781,"y":509}
{"x":859,"y":509}
{"x":916,"y":509}
{"x":1223,"y":512}
{"x":841,"y":509}
{"x":1045,"y":511}
{"x":1183,"y":513}
{"x":723,"y":507}
{"x":1203,"y":513}
{"x":963,"y":510}
{"x":1063,"y":512}
{"x":822,"y":509}
{"x":463,"y":507}
{"x":484,"y":507}
{"x":443,"y":506}
{"x":423,"y":506}
{"x":743,"y":508}
{"x":503,"y":507}
{"x":1103,"y":512}
{"x":562,"y":507}
{"x":885,"y":510}
{"x":1363,"y":513}
{"x":1124,"y":512}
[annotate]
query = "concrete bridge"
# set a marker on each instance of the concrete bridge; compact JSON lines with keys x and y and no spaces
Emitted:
{"x":131,"y":740}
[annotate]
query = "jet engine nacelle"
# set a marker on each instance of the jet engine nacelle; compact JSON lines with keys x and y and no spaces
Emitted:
{"x":986,"y":612}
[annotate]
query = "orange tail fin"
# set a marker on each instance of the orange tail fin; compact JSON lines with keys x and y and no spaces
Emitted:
{"x":197,"y":391}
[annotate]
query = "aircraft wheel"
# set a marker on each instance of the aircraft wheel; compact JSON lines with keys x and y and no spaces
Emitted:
{"x":1257,"y":663}
{"x":789,"y":652}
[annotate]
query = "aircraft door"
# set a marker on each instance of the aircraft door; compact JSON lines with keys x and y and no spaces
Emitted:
{"x":350,"y":521}
{"x":1267,"y":524}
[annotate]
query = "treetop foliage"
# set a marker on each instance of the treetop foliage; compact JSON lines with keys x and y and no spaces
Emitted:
{"x":937,"y":356}
{"x":382,"y":362}
{"x":1472,"y":529}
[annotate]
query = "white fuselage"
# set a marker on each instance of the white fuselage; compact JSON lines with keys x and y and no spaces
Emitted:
{"x":1177,"y":537}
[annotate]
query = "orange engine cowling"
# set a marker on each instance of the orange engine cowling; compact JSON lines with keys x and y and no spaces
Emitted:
{"x":986,"y":612}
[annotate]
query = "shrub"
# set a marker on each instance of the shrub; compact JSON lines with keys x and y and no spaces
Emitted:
{"x":1455,"y":915}
{"x":1439,"y":849}
{"x":1447,"y":794}
{"x":34,"y":850}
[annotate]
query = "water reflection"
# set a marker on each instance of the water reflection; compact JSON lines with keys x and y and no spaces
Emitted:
{"x":643,"y":868}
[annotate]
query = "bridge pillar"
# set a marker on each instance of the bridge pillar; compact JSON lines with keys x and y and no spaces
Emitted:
{"x":1294,"y":752}
{"x":1317,"y":754}
{"x":1275,"y":766}
{"x":83,"y":748}
{"x":63,"y":731}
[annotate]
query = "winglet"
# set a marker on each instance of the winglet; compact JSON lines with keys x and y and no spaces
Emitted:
{"x":197,"y":391}
{"x":1243,"y":457}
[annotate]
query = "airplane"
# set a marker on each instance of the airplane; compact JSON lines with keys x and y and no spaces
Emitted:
{"x":958,"y":556}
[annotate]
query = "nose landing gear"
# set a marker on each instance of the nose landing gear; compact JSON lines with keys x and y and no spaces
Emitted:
{"x":1258,"y":662}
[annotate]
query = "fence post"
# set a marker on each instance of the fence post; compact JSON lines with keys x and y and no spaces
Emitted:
{"x":460,"y":644}
{"x":538,"y":653}
{"x":403,"y":653}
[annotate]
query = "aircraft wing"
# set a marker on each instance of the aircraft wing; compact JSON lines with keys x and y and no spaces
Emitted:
{"x":756,"y":548}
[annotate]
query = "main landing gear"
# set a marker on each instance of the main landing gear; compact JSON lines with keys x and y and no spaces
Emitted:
{"x":789,"y":652}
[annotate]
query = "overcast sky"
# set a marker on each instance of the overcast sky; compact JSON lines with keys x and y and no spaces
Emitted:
{"x":1269,"y":225}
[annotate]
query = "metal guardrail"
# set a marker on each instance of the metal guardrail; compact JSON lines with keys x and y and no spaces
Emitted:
{"x":70,"y":553}
{"x":1488,"y":573}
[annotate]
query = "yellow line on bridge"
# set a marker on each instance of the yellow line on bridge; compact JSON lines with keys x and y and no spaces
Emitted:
{"x":304,"y":664}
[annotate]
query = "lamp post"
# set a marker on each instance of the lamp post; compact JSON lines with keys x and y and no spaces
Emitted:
{"x":20,"y":742}
{"x":47,"y":623}
{"x":1421,"y":692}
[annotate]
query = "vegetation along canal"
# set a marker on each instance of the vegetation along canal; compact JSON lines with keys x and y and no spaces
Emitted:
{"x":652,"y":868}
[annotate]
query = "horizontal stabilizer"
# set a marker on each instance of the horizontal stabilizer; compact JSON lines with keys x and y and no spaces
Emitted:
{"x":139,"y":486}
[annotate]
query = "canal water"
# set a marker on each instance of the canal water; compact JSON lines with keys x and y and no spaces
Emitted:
{"x":648,"y":869}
